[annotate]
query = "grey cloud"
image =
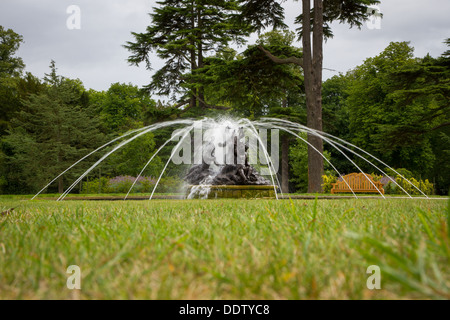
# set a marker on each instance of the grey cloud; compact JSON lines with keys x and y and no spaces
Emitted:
{"x":424,"y":24}
{"x":95,"y":54}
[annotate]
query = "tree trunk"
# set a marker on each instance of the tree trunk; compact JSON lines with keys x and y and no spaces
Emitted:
{"x":285,"y":157}
{"x":59,"y":158}
{"x":60,"y":185}
{"x":99,"y":181}
{"x":193,"y":100}
{"x":200,"y":64}
{"x":312,"y":64}
{"x":313,"y":88}
{"x":60,"y":180}
{"x":285,"y":163}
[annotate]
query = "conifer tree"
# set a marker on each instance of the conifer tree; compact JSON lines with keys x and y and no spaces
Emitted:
{"x":182,"y":33}
{"x":49,"y":134}
{"x":315,"y":27}
{"x":254,"y":86}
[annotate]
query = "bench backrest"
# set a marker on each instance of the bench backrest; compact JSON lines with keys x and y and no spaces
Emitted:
{"x":359,"y":183}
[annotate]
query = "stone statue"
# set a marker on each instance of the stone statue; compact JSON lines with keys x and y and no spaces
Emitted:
{"x":230,"y":174}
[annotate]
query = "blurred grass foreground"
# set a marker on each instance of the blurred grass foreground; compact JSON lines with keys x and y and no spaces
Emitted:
{"x":225,"y":249}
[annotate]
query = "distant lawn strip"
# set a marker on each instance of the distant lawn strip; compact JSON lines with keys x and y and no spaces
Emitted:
{"x":225,"y":249}
{"x":101,"y":196}
{"x":179,"y":196}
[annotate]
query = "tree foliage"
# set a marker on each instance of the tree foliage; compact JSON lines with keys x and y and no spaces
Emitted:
{"x":315,"y":19}
{"x":9,"y":44}
{"x":396,"y":107}
{"x":252,"y":85}
{"x":122,"y":107}
{"x":351,"y":12}
{"x":11,"y":68}
{"x":182,"y":33}
{"x":48,"y":135}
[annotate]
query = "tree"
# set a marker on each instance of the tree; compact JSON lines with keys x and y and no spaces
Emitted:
{"x":10,"y":69}
{"x":9,"y":44}
{"x":298,"y":156}
{"x":122,"y":107}
{"x":13,"y":98}
{"x":130,"y":159}
{"x":371,"y":106}
{"x":446,"y":54}
{"x":250,"y":84}
{"x":314,"y":29}
{"x":48,"y":134}
{"x":336,"y":117}
{"x":421,"y":94}
{"x":182,"y":33}
{"x":396,"y":107}
{"x":293,"y":106}
{"x":254,"y":86}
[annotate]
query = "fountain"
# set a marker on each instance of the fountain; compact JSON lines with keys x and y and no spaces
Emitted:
{"x":237,"y":179}
{"x":225,"y":162}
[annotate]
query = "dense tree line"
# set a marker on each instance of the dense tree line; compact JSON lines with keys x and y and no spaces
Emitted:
{"x":396,"y":107}
{"x":48,"y":124}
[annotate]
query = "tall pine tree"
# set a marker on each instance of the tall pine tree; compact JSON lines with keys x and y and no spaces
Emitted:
{"x":182,"y":33}
{"x":255,"y":86}
{"x":315,"y":27}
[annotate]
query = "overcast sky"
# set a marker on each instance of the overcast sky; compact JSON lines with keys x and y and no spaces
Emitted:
{"x":95,"y":55}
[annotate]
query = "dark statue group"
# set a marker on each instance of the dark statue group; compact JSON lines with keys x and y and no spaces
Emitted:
{"x":230,"y":174}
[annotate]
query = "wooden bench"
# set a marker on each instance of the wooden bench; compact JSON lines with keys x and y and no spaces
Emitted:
{"x":359,"y":183}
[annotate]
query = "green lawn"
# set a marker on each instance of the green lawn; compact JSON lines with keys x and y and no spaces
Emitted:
{"x":225,"y":249}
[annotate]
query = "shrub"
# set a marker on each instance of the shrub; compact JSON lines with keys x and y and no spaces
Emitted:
{"x":376,"y":177}
{"x":120,"y":184}
{"x":147,"y":184}
{"x":404,"y":172}
{"x":169,"y":185}
{"x":95,"y":186}
{"x":411,"y":186}
{"x":328,"y":181}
